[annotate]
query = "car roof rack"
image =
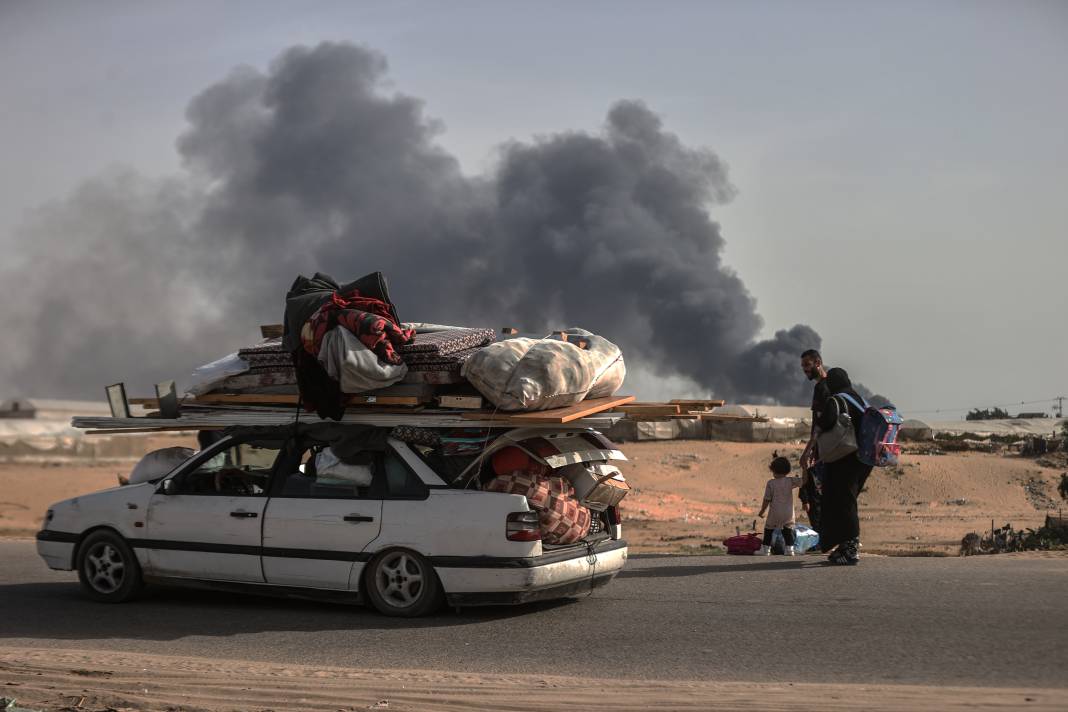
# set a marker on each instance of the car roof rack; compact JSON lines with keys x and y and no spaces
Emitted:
{"x":592,"y":413}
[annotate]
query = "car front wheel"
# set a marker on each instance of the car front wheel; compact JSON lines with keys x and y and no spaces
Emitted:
{"x":402,"y":583}
{"x":108,"y":569}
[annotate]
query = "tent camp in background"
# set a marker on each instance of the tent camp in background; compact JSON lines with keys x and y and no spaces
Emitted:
{"x":916,"y":430}
{"x":764,"y":424}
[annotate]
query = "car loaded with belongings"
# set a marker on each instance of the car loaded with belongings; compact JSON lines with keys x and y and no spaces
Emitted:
{"x":353,"y":456}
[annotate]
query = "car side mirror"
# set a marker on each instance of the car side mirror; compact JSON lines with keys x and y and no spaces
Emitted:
{"x":168,"y":486}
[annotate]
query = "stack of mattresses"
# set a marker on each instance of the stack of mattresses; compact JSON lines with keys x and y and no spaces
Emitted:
{"x":270,"y":367}
{"x":438,"y":356}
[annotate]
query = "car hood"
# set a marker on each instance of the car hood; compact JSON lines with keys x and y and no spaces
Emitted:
{"x":103,"y":498}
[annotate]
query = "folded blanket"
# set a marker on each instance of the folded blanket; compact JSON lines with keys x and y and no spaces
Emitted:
{"x":371,"y":320}
{"x":267,"y":346}
{"x":449,"y":341}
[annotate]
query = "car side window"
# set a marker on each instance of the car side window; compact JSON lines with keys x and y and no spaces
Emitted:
{"x":241,"y":470}
{"x":401,"y":482}
{"x":320,"y":475}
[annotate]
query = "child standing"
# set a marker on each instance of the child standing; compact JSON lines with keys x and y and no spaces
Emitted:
{"x":779,"y":504}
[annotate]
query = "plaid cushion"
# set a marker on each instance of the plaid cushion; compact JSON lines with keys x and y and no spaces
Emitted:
{"x":532,"y":485}
{"x":564,"y":521}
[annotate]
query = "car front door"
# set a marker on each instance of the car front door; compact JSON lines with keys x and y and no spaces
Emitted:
{"x":205,"y":521}
{"x":321,"y":517}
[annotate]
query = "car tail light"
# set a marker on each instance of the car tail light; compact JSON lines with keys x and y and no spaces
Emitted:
{"x":522,"y":526}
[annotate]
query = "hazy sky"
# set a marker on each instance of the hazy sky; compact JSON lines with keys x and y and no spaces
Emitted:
{"x":900,"y":166}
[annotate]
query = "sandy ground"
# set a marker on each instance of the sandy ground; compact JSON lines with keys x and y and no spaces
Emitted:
{"x":86,"y":681}
{"x":689,"y":495}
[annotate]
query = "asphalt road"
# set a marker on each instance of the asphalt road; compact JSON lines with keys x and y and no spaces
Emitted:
{"x":988,"y":621}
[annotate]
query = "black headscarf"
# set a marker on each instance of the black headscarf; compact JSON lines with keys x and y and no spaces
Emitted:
{"x":837,"y":381}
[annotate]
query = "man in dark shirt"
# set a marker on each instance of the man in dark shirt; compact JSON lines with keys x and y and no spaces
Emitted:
{"x":812,"y":365}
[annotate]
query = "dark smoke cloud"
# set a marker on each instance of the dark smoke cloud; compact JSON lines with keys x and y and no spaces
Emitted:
{"x":315,"y":166}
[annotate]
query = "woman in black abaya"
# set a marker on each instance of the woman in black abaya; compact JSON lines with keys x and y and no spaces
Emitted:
{"x":839,"y":522}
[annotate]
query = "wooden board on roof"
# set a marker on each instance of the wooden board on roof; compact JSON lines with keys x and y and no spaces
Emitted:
{"x":587,"y":407}
{"x":266,"y":399}
{"x":735,"y":418}
{"x":175,"y":429}
{"x":649,"y":409}
{"x":705,"y":404}
{"x":285,"y":399}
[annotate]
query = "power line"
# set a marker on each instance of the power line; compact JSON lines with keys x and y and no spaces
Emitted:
{"x":1001,"y":405}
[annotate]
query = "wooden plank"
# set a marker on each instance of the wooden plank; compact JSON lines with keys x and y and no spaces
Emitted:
{"x":152,"y":402}
{"x":183,"y":429}
{"x":284,"y":399}
{"x":649,"y":409}
{"x":410,"y":393}
{"x":703,"y":403}
{"x":463,"y":402}
{"x":379,"y":409}
{"x":425,"y":392}
{"x":271,"y":331}
{"x":591,"y":406}
{"x":384,"y":400}
{"x":247,"y":398}
{"x":736,"y":418}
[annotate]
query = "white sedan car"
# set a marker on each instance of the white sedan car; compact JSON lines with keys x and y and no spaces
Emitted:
{"x":252,"y":511}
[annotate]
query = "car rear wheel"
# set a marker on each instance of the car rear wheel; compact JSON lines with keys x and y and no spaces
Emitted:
{"x":402,"y":583}
{"x":108,"y":569}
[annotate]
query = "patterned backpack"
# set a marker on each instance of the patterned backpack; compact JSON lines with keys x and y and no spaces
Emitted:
{"x":878,"y":444}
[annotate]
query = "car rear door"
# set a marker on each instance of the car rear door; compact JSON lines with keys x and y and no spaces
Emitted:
{"x":206,"y":523}
{"x":317,"y":526}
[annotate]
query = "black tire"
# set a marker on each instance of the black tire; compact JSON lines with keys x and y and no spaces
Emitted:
{"x":402,"y":583}
{"x":108,"y":569}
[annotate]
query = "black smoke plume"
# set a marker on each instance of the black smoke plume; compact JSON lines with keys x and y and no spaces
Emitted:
{"x":315,"y":165}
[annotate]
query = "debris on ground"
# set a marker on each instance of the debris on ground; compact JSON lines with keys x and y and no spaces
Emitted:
{"x":1037,"y":490}
{"x":1052,"y":535}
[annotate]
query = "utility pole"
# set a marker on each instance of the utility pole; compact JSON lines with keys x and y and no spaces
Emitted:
{"x":1060,"y":405}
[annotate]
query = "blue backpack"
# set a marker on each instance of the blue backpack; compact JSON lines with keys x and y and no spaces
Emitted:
{"x":878,"y":444}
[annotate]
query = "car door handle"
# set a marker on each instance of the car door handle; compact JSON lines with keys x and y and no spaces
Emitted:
{"x":246,"y":515}
{"x":358,"y":518}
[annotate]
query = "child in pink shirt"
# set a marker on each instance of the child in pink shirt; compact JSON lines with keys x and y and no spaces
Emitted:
{"x":779,"y":504}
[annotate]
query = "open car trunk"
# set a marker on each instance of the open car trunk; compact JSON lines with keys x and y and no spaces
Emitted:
{"x":585,"y":459}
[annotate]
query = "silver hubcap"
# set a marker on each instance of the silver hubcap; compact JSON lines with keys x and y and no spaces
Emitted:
{"x":399,"y":579}
{"x":105,"y":568}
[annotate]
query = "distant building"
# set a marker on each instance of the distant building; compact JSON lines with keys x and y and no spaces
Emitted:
{"x":49,"y":409}
{"x":1032,"y":415}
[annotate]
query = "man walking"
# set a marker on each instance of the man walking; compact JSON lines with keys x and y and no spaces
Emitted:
{"x":812,"y":365}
